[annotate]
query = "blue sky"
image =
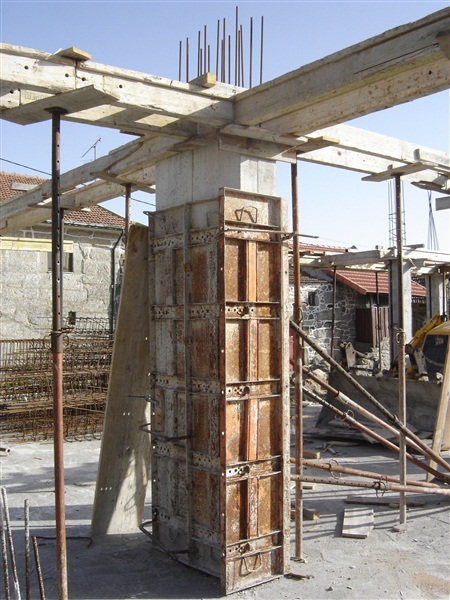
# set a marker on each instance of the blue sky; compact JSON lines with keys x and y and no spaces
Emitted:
{"x":144,"y":36}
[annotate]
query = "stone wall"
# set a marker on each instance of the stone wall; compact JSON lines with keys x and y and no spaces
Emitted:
{"x":26,"y":286}
{"x":317,"y":307}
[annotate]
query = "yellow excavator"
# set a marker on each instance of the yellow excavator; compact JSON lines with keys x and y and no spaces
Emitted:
{"x":428,"y":349}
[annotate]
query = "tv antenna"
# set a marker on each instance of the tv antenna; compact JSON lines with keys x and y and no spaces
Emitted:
{"x":93,"y":147}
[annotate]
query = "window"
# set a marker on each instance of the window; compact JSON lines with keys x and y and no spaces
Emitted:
{"x":312,"y":299}
{"x":67,"y":262}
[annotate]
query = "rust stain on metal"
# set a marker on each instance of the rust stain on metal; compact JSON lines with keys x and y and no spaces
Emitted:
{"x":221,"y":496}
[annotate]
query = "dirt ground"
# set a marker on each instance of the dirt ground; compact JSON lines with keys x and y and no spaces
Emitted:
{"x":410,"y":564}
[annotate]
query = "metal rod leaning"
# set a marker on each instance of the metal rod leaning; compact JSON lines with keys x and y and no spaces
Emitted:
{"x":11,"y":545}
{"x":355,"y":406}
{"x":391,"y":417}
{"x":337,"y":468}
{"x":4,"y":551}
{"x":38,"y":568}
{"x":27,"y":549}
{"x":354,"y":423}
{"x":381,"y":486}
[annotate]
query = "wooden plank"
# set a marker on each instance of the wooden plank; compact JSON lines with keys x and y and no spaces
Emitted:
{"x":383,"y":71}
{"x":181,"y":100}
{"x":125,"y":450}
{"x":358,"y":522}
{"x":75,"y":100}
{"x":442,"y":426}
{"x":388,"y":500}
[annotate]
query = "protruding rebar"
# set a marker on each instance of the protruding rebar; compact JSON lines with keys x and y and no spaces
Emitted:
{"x":38,"y":568}
{"x":27,"y":548}
{"x":4,"y":551}
{"x":180,"y":53}
{"x":251,"y":54}
{"x":11,"y":545}
{"x":262,"y":51}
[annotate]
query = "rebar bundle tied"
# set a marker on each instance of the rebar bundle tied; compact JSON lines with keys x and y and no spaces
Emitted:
{"x":26,"y":408}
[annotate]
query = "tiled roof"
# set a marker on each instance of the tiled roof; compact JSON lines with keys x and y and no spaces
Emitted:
{"x":365,"y":282}
{"x":10,"y":184}
{"x":315,"y":248}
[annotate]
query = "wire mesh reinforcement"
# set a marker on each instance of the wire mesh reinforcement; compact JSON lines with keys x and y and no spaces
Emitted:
{"x":26,"y":401}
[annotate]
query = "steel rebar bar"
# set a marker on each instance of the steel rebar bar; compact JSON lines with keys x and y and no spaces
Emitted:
{"x":11,"y":545}
{"x":38,"y":568}
{"x":4,"y":550}
{"x":27,"y":548}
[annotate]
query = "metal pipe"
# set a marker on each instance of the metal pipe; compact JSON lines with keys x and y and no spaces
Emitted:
{"x":57,"y":360}
{"x":11,"y":545}
{"x":378,"y":438}
{"x":355,"y":406}
{"x":127,"y":211}
{"x":401,"y":344}
{"x":38,"y":568}
{"x":378,"y":329}
{"x":4,"y":551}
{"x":337,"y":468}
{"x":27,"y":548}
{"x":113,"y":282}
{"x":394,"y":419}
{"x":298,"y":379}
{"x":381,"y":486}
{"x":333,"y":314}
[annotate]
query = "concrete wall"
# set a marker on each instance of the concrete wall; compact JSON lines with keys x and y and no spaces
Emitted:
{"x":26,"y":303}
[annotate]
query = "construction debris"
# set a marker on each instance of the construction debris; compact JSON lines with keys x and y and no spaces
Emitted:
{"x":357,"y":523}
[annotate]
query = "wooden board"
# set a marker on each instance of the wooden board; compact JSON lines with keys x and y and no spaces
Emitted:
{"x":358,"y":522}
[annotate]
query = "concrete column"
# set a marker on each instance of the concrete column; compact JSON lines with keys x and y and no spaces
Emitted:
{"x":407,"y":309}
{"x":436,"y":295}
{"x":199,"y":174}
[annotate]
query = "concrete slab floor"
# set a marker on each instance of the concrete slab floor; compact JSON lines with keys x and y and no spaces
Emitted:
{"x":408,"y":565}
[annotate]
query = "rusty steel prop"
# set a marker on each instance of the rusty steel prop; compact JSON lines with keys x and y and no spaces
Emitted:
{"x":354,"y":423}
{"x":57,"y":357}
{"x":335,"y":467}
{"x":380,"y":486}
{"x":391,"y":417}
{"x":355,"y":406}
{"x":298,"y":348}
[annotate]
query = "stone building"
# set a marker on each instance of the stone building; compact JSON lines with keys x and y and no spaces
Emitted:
{"x":359,"y":302}
{"x":93,"y":261}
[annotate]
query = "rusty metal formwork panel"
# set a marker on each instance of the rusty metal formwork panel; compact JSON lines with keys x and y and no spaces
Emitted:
{"x":220,"y":390}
